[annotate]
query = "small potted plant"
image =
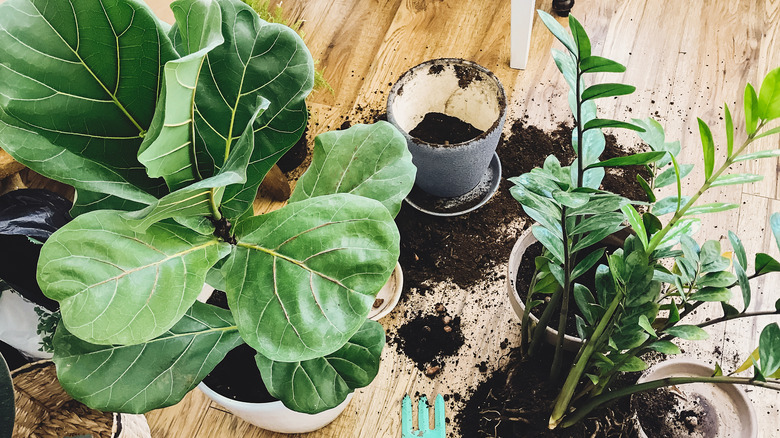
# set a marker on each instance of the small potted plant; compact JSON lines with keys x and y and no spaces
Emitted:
{"x":645,"y":291}
{"x":168,"y":134}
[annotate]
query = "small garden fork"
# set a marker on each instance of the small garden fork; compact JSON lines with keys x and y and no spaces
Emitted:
{"x":423,"y":430}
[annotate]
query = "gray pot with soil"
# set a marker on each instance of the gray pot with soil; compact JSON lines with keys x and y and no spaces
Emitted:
{"x":694,"y":409}
{"x":438,"y":100}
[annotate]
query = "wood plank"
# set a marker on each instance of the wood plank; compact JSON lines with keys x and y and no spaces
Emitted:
{"x":183,"y":419}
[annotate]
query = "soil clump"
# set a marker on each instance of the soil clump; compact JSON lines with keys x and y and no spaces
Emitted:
{"x":443,"y":129}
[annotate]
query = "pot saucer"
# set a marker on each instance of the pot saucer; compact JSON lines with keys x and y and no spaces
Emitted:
{"x":462,"y":204}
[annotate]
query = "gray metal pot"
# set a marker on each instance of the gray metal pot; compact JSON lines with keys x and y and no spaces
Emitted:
{"x":457,"y":88}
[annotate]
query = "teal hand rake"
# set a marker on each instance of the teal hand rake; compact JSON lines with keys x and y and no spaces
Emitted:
{"x":423,"y":430}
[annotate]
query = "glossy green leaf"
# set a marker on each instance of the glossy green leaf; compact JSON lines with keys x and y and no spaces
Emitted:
{"x":609,"y":123}
{"x":366,"y":160}
{"x":633,"y":364}
{"x":774,"y":223}
{"x":571,"y":199}
{"x":158,"y":373}
{"x":258,"y":60}
{"x":584,"y":299}
{"x":758,"y":155}
{"x":766,"y":264}
{"x":729,"y":131}
{"x":567,"y":66}
{"x":687,"y":332}
{"x":711,"y":294}
{"x":49,"y":64}
{"x":602,"y":221}
{"x":728,"y":310}
{"x":646,"y":187}
{"x":769,"y":349}
{"x":302,"y":279}
{"x":581,"y":39}
{"x":769,"y":100}
{"x":635,"y":219}
{"x":550,"y":241}
{"x":558,"y":31}
{"x":664,"y":347}
{"x":600,"y":204}
{"x":315,"y":385}
{"x":736,"y":178}
{"x":599,"y":91}
{"x":772,"y":131}
{"x":597,"y":64}
{"x":751,"y":109}
{"x":168,"y":149}
{"x":631,"y":160}
{"x":117,"y":286}
{"x":652,"y":223}
{"x":646,"y":326}
{"x":586,"y":263}
{"x":529,"y":199}
{"x":708,"y":148}
{"x":668,"y":176}
{"x":595,"y":237}
{"x":717,"y":279}
{"x":7,"y":410}
{"x":711,"y":257}
{"x":668,"y":205}
{"x":714,"y":207}
{"x":744,"y":283}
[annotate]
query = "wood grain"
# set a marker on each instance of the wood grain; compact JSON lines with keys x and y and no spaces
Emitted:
{"x":685,"y":58}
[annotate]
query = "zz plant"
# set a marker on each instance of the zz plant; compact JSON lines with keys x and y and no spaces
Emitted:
{"x":166,"y":133}
{"x":647,"y":290}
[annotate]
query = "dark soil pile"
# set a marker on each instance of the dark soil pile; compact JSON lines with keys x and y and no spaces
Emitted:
{"x":441,"y":129}
{"x":427,"y":339}
{"x":660,"y":412}
{"x":516,"y":402}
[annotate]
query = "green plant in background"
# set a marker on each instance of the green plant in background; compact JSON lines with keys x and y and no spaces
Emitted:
{"x":276,"y":15}
{"x":564,"y":199}
{"x":639,"y":304}
{"x":167,"y":135}
{"x":7,"y":409}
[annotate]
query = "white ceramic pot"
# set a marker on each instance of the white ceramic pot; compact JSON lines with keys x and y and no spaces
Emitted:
{"x":274,"y":416}
{"x":457,"y":88}
{"x":526,"y":239}
{"x":734,"y":413}
{"x":389,"y":294}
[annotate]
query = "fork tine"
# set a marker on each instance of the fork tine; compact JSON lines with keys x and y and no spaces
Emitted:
{"x":422,"y":415}
{"x":406,"y":417}
{"x":438,"y":414}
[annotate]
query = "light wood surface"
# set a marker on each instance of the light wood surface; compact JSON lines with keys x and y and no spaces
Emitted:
{"x":686,"y":59}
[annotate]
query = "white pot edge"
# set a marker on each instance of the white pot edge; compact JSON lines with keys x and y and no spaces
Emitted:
{"x":526,"y":239}
{"x":684,"y":366}
{"x":390,"y":292}
{"x":274,"y":416}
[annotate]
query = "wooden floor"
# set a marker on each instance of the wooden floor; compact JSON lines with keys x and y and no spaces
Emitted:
{"x":685,"y":57}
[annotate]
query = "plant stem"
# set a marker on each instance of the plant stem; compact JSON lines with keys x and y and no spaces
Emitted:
{"x":216,"y":215}
{"x":739,"y":315}
{"x":583,"y":411}
{"x":564,"y":397}
{"x":555,"y":370}
{"x":526,"y":320}
{"x":580,"y":177}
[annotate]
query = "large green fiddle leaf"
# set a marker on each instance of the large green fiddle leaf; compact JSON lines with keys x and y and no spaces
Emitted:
{"x":142,"y":377}
{"x":168,"y":148}
{"x":79,"y":84}
{"x":257,"y":59}
{"x":117,"y":286}
{"x":315,"y":385}
{"x":366,"y":160}
{"x":302,"y":279}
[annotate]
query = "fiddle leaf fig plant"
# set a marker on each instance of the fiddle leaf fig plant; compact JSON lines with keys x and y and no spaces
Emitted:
{"x":647,"y":289}
{"x":166,"y":134}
